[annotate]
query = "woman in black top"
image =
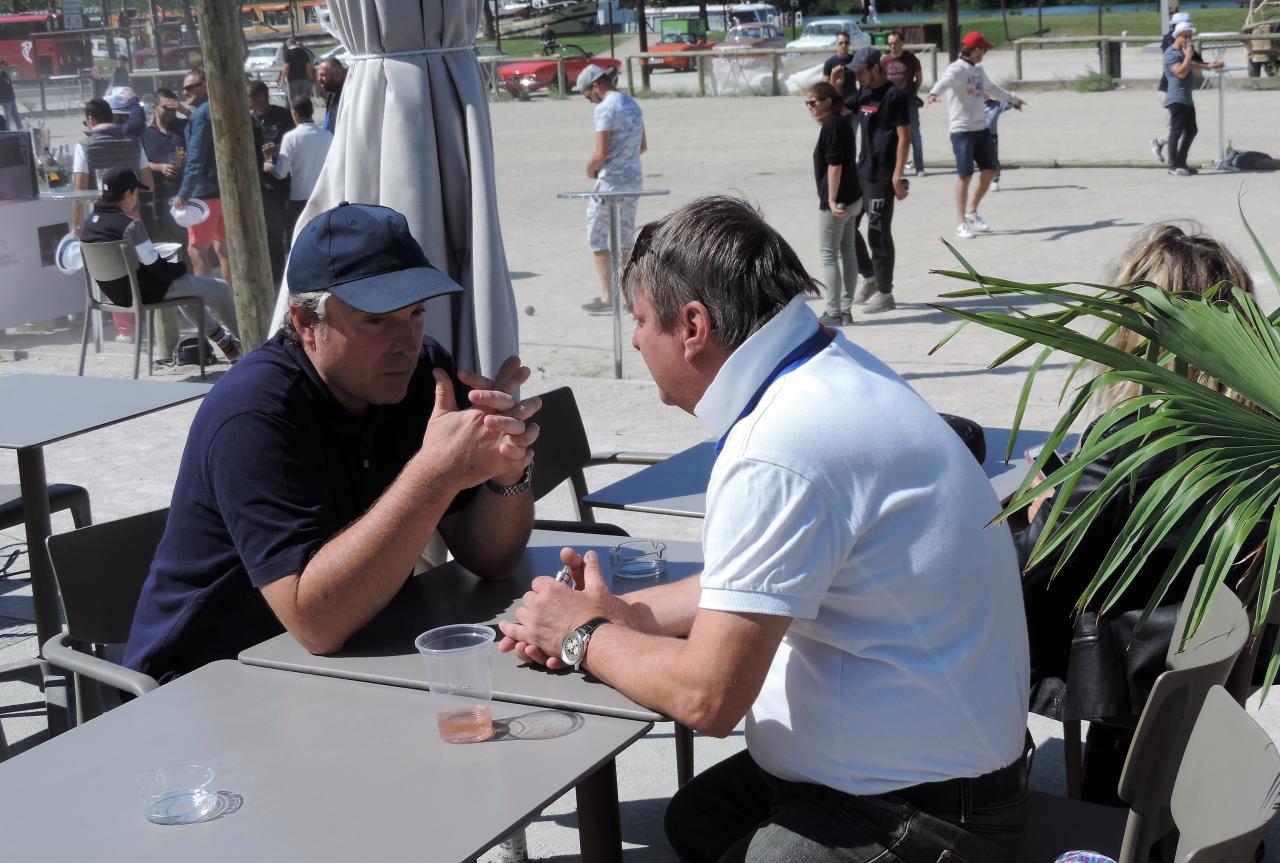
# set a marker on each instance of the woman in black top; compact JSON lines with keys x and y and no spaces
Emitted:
{"x":839,"y":201}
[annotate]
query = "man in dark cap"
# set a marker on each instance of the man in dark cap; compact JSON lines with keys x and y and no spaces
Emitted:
{"x":318,"y":468}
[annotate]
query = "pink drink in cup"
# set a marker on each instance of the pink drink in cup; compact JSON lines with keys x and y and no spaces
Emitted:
{"x":460,"y":670}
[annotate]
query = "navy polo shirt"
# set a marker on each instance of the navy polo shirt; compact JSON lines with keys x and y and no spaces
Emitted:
{"x":274,"y":467}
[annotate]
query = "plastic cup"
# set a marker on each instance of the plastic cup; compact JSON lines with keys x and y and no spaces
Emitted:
{"x":460,"y":669}
{"x":639,"y":558}
{"x":182,"y":794}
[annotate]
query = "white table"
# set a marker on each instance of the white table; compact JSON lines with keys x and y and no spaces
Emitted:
{"x":328,"y":770}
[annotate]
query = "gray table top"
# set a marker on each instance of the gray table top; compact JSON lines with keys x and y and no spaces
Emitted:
{"x":328,"y":769}
{"x":678,"y":486}
{"x":43,"y":409}
{"x":383,"y":651}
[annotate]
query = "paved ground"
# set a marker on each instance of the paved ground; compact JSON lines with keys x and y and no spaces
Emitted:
{"x":1049,"y":224}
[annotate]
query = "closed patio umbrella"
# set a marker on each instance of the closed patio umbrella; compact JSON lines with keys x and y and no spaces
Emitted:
{"x":414,"y":134}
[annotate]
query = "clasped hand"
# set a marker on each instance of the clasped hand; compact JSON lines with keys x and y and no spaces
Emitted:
{"x":493,"y":439}
{"x":550,"y":610}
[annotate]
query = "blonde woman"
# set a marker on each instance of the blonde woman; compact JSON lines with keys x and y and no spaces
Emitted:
{"x":1087,"y":666}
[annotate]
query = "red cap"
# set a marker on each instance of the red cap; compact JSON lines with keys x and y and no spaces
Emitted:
{"x":974,"y":39}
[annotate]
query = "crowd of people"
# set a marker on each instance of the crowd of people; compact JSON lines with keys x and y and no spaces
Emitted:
{"x":171,"y":164}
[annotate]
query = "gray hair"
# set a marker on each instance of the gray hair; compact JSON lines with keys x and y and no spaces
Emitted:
{"x":313,"y":307}
{"x":718,"y":251}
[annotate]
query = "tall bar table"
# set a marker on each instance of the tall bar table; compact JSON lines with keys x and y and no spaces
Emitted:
{"x":615,"y":198}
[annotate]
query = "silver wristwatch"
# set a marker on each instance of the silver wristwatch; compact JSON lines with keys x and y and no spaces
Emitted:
{"x":521,"y":486}
{"x":574,"y":647}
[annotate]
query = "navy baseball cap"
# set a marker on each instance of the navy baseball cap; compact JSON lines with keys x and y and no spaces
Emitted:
{"x":865,"y":58}
{"x":365,"y":256}
{"x":118,"y":179}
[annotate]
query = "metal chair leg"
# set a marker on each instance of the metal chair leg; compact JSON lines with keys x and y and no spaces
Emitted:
{"x":84,"y":341}
{"x":1074,"y":755}
{"x":684,"y":754}
{"x":151,"y":341}
{"x":138,"y":332}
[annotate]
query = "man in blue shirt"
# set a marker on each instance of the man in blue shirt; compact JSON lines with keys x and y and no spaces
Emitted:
{"x":200,"y":180}
{"x":317,"y":469}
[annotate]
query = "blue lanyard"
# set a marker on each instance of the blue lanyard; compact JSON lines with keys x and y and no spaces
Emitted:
{"x":807,"y":350}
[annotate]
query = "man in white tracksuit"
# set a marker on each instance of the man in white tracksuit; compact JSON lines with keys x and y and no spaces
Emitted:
{"x":970,"y":138}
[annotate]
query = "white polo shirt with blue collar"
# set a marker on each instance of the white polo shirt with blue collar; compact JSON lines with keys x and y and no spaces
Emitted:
{"x":844,"y":501}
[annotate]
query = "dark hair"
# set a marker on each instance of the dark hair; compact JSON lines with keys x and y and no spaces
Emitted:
{"x":844,"y":33}
{"x":333,"y":63}
{"x":196,"y":70}
{"x":822,"y":90}
{"x":718,"y":251}
{"x":98,"y":110}
{"x":897,"y":33}
{"x":164,"y":93}
{"x":304,"y":107}
{"x":257,"y":87}
{"x":111,"y":199}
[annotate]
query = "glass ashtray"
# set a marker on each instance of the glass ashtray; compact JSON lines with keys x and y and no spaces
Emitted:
{"x":640,"y":558}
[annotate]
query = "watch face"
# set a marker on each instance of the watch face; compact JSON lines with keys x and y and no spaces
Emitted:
{"x":571,"y":649}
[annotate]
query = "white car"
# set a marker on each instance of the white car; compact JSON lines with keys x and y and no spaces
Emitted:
{"x":822,"y":32}
{"x":264,"y":56}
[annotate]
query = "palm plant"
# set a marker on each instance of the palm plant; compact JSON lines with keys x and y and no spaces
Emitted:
{"x":1226,"y":478}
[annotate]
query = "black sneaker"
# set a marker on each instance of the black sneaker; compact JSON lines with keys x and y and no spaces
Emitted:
{"x":228,"y":344}
{"x":831,"y":320}
{"x":597,"y":307}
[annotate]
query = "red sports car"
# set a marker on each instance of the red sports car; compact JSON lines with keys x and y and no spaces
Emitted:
{"x":527,"y":77}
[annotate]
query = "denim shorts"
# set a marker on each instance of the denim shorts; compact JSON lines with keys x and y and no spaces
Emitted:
{"x":971,"y":147}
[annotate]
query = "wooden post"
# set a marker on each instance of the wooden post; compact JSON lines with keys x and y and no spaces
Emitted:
{"x":953,"y":29}
{"x":643,"y":27}
{"x":238,"y":166}
{"x":1017,"y":60}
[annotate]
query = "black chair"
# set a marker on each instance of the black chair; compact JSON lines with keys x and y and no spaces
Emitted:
{"x":100,"y":571}
{"x":61,"y":496}
{"x":562,"y":455}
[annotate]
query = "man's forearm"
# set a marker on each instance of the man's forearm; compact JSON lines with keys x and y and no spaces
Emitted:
{"x":357,"y":572}
{"x":904,"y":147}
{"x":491,"y":533}
{"x":668,"y":609}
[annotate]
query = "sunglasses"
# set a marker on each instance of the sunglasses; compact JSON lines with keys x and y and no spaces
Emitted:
{"x":187,"y":88}
{"x":810,"y":103}
{"x":639,"y":249}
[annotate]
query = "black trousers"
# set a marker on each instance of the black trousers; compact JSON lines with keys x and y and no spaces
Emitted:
{"x":865,"y":268}
{"x":1182,"y":131}
{"x":878,"y":199}
{"x":273,"y":208}
{"x":735,"y":811}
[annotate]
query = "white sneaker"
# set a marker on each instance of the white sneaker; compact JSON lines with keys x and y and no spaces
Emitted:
{"x":995,"y":185}
{"x":976,"y":223}
{"x":963,"y":232}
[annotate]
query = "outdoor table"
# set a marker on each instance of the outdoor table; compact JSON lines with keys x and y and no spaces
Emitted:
{"x":44,"y":409}
{"x":383,"y":651}
{"x":678,"y":485}
{"x":615,"y":199}
{"x":323,"y":769}
{"x":1222,"y":76}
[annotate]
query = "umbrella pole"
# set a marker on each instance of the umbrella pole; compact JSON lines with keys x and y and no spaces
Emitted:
{"x":615,"y":292}
{"x":239,"y":164}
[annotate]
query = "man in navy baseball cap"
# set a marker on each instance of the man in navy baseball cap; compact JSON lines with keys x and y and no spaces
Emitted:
{"x":316,"y":470}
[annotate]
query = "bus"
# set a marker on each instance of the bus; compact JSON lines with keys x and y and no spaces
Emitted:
{"x":32,"y":47}
{"x":720,"y":16}
{"x":265,"y":20}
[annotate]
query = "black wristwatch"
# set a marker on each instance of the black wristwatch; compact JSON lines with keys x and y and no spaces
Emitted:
{"x":573,"y":650}
{"x":521,"y":486}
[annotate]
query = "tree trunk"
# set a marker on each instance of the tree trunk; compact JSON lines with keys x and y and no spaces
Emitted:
{"x":1004,"y":18}
{"x":643,"y":29}
{"x":953,"y":29}
{"x":238,"y":166}
{"x":702,"y":13}
{"x":486,"y":21}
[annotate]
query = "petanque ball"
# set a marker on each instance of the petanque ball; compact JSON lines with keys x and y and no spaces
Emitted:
{"x":528,"y":310}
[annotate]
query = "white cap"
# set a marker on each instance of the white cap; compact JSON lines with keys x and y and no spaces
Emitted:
{"x":1183,"y":27}
{"x":588,"y":76}
{"x":1179,"y":17}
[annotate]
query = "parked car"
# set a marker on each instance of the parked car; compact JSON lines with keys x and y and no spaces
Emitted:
{"x":262,"y":58}
{"x":672,"y":46}
{"x":822,"y":32}
{"x":754,"y":35}
{"x":528,"y":77}
{"x":176,"y":57}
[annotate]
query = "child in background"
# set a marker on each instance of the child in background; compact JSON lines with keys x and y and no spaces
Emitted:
{"x":993,"y":108}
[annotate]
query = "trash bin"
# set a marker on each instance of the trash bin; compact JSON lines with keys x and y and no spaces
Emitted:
{"x":1111,"y":58}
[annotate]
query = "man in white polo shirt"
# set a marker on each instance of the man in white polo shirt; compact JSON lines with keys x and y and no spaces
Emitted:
{"x":301,"y":158}
{"x":854,"y":605}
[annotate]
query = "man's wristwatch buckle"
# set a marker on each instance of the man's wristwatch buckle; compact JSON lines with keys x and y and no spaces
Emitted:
{"x":520,"y":487}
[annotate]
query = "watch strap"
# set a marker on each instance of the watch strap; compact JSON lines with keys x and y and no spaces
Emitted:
{"x":519,"y":487}
{"x":584,"y":633}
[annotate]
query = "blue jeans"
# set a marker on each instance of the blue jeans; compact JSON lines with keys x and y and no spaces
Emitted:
{"x":971,"y":147}
{"x":11,"y":114}
{"x":735,"y":811}
{"x":917,"y":143}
